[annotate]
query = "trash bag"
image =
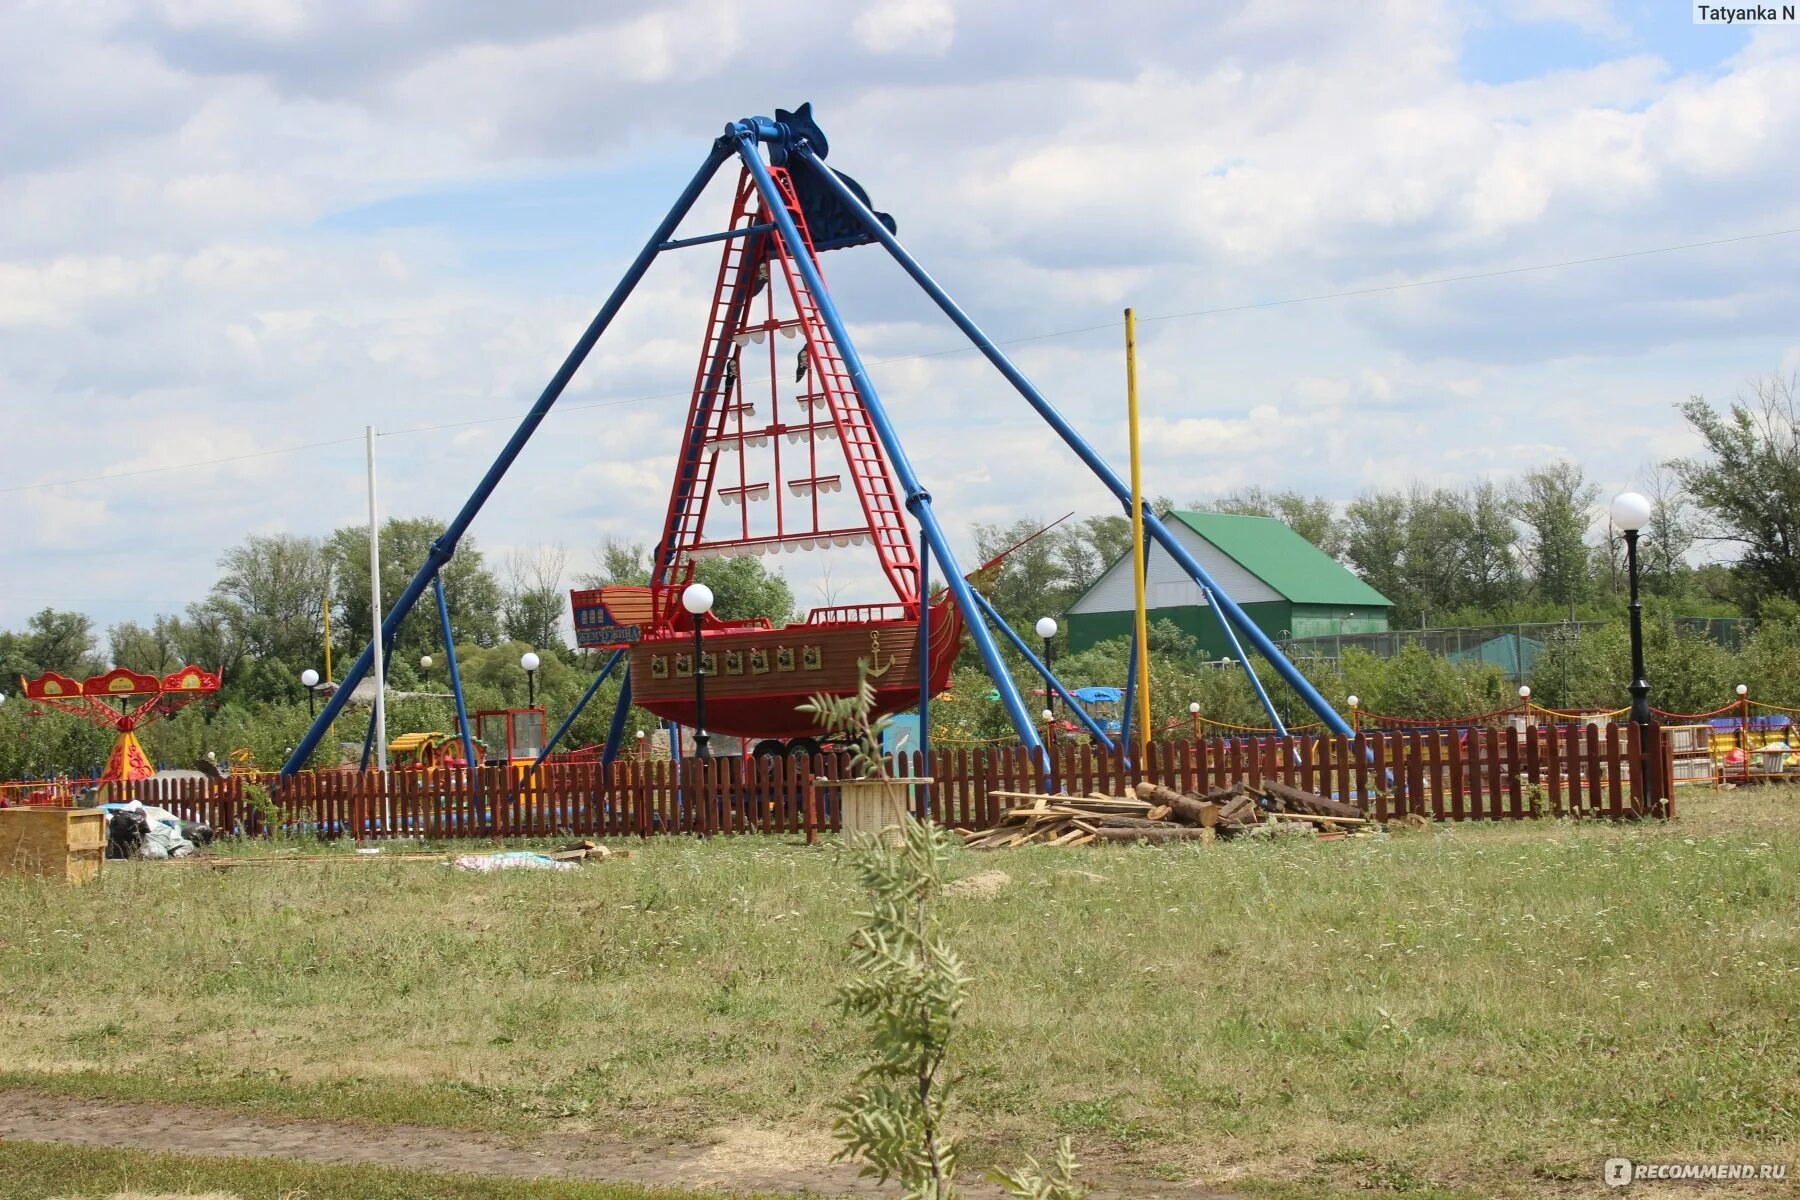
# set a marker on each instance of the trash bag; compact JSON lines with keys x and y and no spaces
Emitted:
{"x":126,"y":832}
{"x":164,"y":841}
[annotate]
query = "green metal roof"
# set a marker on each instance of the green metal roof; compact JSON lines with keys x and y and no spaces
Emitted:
{"x":1274,"y":553}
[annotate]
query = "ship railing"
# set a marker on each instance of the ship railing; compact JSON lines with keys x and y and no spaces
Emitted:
{"x":855,"y":614}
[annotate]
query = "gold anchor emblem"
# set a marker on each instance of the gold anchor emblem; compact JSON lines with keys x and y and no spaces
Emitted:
{"x":877,"y":668}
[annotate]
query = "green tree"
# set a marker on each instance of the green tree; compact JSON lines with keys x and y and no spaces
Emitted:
{"x":1375,"y":544}
{"x":52,"y":640}
{"x":470,"y":589}
{"x":742,"y":587}
{"x":1747,"y":484}
{"x":532,"y":606}
{"x":154,"y":651}
{"x":1553,"y":502}
{"x":621,"y":563}
{"x":271,"y":595}
{"x":1033,"y":581}
{"x":1490,"y":558}
{"x":1434,"y":551}
{"x":1663,"y":547}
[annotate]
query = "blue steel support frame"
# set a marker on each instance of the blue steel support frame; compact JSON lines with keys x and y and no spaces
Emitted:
{"x":445,"y":544}
{"x":924,"y":656}
{"x":368,"y":742}
{"x":456,"y":689}
{"x":1042,"y":668}
{"x":549,"y":746}
{"x":1237,"y":648}
{"x":918,"y":501}
{"x":1088,"y":455}
{"x":616,"y":729}
{"x":387,"y":656}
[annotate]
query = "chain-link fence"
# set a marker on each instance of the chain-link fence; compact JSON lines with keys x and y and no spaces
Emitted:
{"x":1512,"y":648}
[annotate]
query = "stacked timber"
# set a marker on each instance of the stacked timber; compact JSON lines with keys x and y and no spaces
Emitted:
{"x":1150,"y":812}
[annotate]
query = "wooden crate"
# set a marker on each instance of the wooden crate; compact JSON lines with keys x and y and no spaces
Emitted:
{"x":67,"y":844}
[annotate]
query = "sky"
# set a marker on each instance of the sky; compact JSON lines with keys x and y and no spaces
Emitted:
{"x":236,"y":232}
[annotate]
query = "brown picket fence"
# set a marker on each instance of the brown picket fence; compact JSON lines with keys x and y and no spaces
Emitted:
{"x":1483,"y":774}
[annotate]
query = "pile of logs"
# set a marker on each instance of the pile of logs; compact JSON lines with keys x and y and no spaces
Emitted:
{"x":1150,"y":812}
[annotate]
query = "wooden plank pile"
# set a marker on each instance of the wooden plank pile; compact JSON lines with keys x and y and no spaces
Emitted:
{"x":1150,"y":812}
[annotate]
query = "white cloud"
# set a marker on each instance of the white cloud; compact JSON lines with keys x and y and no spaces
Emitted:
{"x":906,"y":26}
{"x":235,"y":227}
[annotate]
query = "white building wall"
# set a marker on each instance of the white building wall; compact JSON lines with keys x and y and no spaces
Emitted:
{"x":1168,"y":586}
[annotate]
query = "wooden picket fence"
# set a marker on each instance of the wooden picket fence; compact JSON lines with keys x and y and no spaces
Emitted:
{"x":1484,"y":774}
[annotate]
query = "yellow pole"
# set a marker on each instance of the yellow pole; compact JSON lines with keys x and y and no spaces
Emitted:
{"x":1141,"y":720}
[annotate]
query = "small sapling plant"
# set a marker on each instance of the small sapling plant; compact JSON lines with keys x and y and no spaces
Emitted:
{"x":908,"y":984}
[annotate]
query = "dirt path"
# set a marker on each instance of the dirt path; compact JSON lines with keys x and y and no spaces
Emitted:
{"x":741,"y":1160}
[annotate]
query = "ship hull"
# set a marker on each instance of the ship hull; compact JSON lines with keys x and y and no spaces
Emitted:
{"x":757,"y":679}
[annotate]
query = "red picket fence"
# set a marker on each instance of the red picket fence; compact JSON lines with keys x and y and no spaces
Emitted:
{"x":1484,"y":774}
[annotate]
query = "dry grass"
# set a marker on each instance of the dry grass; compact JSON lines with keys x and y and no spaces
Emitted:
{"x":1488,"y":1008}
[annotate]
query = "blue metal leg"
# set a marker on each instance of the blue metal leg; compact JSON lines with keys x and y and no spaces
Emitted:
{"x":918,"y":500}
{"x":1126,"y":742}
{"x":1074,"y":440}
{"x":1038,"y":665}
{"x":1237,"y":648}
{"x":616,"y":729}
{"x":445,"y":545}
{"x":593,"y":687}
{"x":387,"y":655}
{"x":462,"y":703}
{"x":368,"y":741}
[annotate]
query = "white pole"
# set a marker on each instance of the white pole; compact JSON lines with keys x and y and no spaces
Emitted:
{"x":380,"y":674}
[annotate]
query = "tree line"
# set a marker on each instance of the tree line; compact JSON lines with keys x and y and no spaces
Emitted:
{"x":1537,"y":548}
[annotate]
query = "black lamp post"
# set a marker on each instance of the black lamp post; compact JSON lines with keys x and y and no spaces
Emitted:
{"x":1046,"y":629}
{"x":697,"y":598}
{"x":1630,"y":512}
{"x":529,"y":662}
{"x":309,"y":679}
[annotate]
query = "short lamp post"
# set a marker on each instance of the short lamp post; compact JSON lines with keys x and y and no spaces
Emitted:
{"x":1355,"y":703}
{"x":1630,"y":512}
{"x":1046,"y":629}
{"x":697,"y":598}
{"x":309,"y":679}
{"x":1525,"y":702}
{"x":1049,"y":726}
{"x":529,"y":663}
{"x":1194,"y":716}
{"x":640,"y":744}
{"x":1743,"y":695}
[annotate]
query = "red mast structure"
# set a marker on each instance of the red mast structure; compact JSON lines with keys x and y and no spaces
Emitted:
{"x":788,"y":466}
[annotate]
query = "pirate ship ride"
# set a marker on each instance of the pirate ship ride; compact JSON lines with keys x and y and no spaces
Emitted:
{"x":788,"y":464}
{"x":790,"y":206}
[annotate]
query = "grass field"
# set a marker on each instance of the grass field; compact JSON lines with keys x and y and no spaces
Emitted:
{"x":1476,"y":1010}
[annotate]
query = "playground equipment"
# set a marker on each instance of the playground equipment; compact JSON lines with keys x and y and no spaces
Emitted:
{"x":424,"y":751}
{"x":789,"y":208}
{"x":142,"y":701}
{"x":510,"y":737}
